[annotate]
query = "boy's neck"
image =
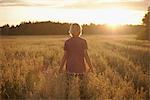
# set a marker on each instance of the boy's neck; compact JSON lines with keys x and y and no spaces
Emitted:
{"x":75,"y":36}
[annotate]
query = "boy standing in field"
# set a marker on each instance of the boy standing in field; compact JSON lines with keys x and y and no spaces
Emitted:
{"x":75,"y":54}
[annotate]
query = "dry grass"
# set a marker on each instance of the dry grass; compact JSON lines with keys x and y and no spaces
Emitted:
{"x":121,"y":68}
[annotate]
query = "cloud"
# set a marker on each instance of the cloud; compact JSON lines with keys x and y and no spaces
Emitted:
{"x":8,"y":1}
{"x":80,"y":4}
{"x":131,"y":4}
{"x":50,"y":3}
{"x":12,"y":3}
{"x":22,"y":3}
{"x":110,"y":1}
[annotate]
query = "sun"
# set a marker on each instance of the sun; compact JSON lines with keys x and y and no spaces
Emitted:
{"x":113,"y":26}
{"x":117,"y":16}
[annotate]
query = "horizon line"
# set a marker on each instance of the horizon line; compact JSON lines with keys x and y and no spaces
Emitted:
{"x":63,"y":22}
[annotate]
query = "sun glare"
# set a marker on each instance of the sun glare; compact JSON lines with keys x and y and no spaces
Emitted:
{"x":113,"y":26}
{"x":111,"y":16}
{"x":115,"y":16}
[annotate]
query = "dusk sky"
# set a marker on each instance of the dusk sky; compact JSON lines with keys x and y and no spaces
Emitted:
{"x":81,"y":11}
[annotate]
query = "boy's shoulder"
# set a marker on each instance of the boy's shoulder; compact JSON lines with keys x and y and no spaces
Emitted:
{"x":78,"y":38}
{"x":82,"y":39}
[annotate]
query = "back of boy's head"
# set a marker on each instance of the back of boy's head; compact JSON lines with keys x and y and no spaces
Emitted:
{"x":75,"y":30}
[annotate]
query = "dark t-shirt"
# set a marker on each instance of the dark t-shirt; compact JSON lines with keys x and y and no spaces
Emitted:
{"x":75,"y":54}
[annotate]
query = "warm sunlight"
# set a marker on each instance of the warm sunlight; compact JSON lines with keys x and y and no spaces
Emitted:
{"x":115,"y":16}
{"x":113,"y":26}
{"x":74,"y":49}
{"x":110,"y":16}
{"x":113,"y":12}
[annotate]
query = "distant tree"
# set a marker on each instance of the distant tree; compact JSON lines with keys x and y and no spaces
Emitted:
{"x":146,"y":22}
{"x":5,"y":29}
{"x":146,"y":19}
{"x":0,"y":30}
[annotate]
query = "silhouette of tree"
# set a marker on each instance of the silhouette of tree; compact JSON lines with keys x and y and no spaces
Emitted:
{"x":5,"y":29}
{"x":146,"y":23}
{"x":57,"y":28}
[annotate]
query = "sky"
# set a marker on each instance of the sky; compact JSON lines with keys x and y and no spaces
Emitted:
{"x":113,"y":12}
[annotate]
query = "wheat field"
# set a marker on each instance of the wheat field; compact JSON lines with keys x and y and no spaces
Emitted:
{"x":121,"y":64}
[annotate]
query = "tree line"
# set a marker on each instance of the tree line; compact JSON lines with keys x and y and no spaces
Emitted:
{"x":57,"y":28}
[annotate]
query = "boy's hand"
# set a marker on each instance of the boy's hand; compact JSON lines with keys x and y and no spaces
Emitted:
{"x":91,"y":69}
{"x":60,"y":70}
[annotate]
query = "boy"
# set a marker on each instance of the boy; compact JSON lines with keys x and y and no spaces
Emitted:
{"x":75,"y":50}
{"x":75,"y":54}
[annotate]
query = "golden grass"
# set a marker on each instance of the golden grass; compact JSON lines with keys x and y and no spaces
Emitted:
{"x":121,"y":66}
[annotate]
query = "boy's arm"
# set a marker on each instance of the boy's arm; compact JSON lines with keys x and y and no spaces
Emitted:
{"x":63,"y":60}
{"x":88,"y":59}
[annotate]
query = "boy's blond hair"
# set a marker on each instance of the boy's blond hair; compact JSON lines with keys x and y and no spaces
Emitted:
{"x":75,"y":30}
